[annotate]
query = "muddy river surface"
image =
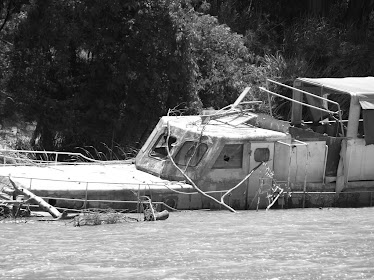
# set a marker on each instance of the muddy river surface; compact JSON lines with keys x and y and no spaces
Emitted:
{"x":278,"y":244}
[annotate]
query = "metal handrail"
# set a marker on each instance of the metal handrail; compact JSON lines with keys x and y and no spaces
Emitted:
{"x":298,"y":102}
{"x":339,"y":112}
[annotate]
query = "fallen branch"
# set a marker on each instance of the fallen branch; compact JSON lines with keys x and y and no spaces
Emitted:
{"x":40,"y":201}
{"x":190,"y":180}
{"x":241,"y":182}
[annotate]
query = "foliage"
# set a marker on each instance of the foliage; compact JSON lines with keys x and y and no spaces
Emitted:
{"x":97,"y":73}
{"x":224,"y":65}
{"x":222,"y":61}
{"x":329,"y":38}
{"x":11,"y":11}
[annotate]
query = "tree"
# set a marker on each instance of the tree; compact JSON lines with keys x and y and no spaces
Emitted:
{"x":93,"y":72}
{"x":10,"y":13}
{"x":358,"y":16}
{"x":223,"y":65}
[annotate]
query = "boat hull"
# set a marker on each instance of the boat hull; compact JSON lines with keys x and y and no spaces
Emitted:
{"x":121,"y":186}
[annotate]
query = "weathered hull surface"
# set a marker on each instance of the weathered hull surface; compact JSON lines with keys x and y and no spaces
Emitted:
{"x":119,"y":186}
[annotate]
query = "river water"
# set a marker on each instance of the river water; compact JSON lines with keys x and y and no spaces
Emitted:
{"x":278,"y":244}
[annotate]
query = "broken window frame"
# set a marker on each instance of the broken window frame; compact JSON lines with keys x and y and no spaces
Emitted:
{"x":230,"y":157}
{"x":159,"y":150}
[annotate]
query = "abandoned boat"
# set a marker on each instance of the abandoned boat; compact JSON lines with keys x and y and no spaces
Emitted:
{"x":234,"y":158}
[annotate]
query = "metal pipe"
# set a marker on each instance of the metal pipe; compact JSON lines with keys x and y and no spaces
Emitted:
{"x":348,"y":162}
{"x":241,"y":97}
{"x":324,"y":166}
{"x":251,"y":102}
{"x":86,"y":197}
{"x":341,"y":121}
{"x":306,"y":172}
{"x":269,"y":98}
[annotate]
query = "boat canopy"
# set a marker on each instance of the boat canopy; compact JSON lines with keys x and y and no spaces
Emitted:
{"x":362,"y":87}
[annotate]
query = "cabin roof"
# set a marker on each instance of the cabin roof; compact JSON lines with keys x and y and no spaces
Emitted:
{"x":227,"y":128}
{"x":350,"y":85}
{"x":362,"y":87}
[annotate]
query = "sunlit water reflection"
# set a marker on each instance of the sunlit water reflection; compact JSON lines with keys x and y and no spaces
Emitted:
{"x":278,"y":244}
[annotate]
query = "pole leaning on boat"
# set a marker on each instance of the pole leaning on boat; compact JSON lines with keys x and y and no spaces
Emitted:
{"x":40,"y":201}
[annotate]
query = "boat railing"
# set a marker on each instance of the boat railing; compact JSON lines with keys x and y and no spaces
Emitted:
{"x":22,"y":157}
{"x":338,"y":113}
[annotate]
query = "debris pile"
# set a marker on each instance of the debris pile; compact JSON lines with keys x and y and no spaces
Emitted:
{"x":99,"y":217}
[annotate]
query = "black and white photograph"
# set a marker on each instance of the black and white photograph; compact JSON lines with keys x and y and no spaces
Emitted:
{"x":187,"y":139}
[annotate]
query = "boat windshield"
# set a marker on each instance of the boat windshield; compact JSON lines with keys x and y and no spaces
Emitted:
{"x":191,"y":153}
{"x":159,"y":150}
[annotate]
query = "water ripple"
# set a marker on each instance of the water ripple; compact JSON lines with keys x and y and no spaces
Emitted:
{"x":282,"y":244}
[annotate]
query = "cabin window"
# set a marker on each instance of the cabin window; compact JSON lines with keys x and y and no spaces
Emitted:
{"x":262,"y":155}
{"x":231,"y":156}
{"x":190,"y":153}
{"x":159,"y":150}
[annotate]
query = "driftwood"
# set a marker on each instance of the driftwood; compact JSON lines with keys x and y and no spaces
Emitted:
{"x":40,"y":201}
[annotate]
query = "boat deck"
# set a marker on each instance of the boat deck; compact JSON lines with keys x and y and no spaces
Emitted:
{"x":78,"y":176}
